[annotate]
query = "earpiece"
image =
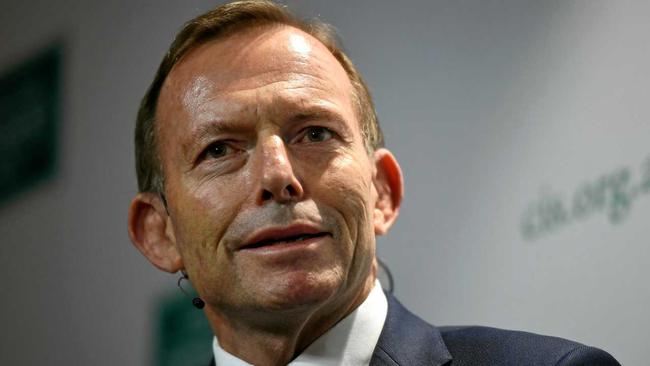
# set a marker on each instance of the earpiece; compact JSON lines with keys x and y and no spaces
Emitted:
{"x":196,"y":301}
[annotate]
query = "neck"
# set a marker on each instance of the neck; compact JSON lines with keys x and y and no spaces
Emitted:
{"x":281,"y":337}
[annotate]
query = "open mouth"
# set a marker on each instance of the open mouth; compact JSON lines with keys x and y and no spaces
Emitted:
{"x":284,"y":240}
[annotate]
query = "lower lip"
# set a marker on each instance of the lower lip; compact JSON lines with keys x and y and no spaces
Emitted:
{"x":285,"y":246}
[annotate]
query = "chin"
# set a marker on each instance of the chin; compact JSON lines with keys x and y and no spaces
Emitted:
{"x":297,"y":290}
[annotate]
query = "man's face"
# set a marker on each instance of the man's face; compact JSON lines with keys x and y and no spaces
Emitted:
{"x":269,"y":186}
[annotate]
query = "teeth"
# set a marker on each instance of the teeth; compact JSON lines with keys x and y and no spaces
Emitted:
{"x":287,"y":240}
{"x":296,"y":238}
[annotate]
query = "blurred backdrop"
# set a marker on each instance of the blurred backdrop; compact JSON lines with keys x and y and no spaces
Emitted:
{"x":522,"y":127}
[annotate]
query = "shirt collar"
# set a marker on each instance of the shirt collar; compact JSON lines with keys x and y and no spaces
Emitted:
{"x":350,"y":342}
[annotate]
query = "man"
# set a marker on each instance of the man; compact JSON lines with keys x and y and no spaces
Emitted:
{"x":263,"y":178}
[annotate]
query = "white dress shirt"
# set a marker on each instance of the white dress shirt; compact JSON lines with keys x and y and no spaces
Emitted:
{"x":350,"y":342}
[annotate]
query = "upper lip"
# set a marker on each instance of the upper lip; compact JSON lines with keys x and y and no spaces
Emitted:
{"x":279,"y":233}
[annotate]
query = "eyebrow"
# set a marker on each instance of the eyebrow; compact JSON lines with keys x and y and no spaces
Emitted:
{"x":215,"y":127}
{"x":314,"y":112}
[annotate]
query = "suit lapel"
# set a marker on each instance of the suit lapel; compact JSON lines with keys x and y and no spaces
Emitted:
{"x":408,"y":340}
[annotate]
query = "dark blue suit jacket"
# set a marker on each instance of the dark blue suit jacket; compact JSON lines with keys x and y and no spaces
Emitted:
{"x":407,"y":340}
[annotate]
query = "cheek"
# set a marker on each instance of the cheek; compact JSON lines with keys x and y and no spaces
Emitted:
{"x":204,"y":213}
{"x":351,"y":178}
{"x":346,"y":187}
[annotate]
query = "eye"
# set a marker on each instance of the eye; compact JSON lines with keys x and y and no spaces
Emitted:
{"x":217,"y":150}
{"x":318,"y":134}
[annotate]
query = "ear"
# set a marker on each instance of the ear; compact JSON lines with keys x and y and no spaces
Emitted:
{"x":151,"y":232}
{"x":390,"y":189}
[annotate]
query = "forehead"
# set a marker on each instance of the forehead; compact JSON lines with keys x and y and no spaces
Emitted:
{"x":262,"y":58}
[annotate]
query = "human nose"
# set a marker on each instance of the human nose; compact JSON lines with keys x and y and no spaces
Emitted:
{"x":278,"y":182}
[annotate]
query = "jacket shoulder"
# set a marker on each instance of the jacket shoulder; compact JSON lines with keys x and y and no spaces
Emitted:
{"x":475,"y":345}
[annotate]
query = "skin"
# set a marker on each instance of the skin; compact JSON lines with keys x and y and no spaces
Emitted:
{"x":258,"y":130}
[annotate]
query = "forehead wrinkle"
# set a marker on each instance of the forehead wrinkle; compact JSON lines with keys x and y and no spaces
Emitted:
{"x":296,"y":83}
{"x":202,"y":93}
